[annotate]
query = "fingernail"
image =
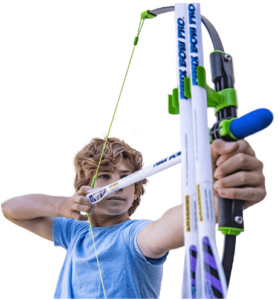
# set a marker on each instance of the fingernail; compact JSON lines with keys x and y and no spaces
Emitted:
{"x":222,"y":192}
{"x":229,"y":145}
{"x":216,"y":186}
{"x":216,"y":174}
{"x":219,"y":161}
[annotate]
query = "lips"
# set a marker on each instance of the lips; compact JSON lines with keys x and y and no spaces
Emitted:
{"x":116,"y":198}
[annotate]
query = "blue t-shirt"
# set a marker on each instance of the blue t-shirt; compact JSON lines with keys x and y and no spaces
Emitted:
{"x":126,"y":272}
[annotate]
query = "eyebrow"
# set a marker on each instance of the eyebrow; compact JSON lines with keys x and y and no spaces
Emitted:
{"x":109,"y":171}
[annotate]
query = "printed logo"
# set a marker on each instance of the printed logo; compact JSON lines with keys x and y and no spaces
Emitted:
{"x":182,"y":55}
{"x":194,"y":65}
{"x":192,"y":14}
{"x":187,"y":213}
{"x":200,"y":203}
{"x":113,"y":186}
{"x":167,"y":158}
{"x":181,"y":28}
{"x":193,"y":42}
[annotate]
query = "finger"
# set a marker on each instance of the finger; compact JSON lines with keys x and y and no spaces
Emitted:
{"x":83,"y":200}
{"x":243,"y":147}
{"x":83,"y":191}
{"x":77,"y":216}
{"x":249,"y":194}
{"x":84,"y":208}
{"x":220,"y":147}
{"x":240,"y":179}
{"x":240,"y":161}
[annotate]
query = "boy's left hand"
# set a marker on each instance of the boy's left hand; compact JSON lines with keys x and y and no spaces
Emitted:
{"x":248,"y":183}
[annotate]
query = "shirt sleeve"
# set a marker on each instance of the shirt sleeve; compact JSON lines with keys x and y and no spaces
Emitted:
{"x":64,"y":230}
{"x":135,"y":228}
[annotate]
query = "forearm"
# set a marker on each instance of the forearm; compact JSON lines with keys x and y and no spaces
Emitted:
{"x":170,"y":225}
{"x":29,"y":207}
{"x":165,"y":234}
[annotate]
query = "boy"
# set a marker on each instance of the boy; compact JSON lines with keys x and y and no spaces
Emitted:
{"x":131,"y":252}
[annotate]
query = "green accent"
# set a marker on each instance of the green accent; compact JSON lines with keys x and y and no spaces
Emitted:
{"x":173,"y":102}
{"x":210,"y":138}
{"x":187,"y":87}
{"x":218,"y":100}
{"x":220,"y":52}
{"x":147,"y":15}
{"x":225,"y":128}
{"x":201,"y":76}
{"x":106,"y":139}
{"x":136,"y":41}
{"x":176,"y":98}
{"x":230,"y":230}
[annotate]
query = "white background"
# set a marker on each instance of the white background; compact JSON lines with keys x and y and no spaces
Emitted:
{"x":62,"y":64}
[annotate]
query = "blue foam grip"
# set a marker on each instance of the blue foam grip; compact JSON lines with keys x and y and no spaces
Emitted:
{"x":251,"y":123}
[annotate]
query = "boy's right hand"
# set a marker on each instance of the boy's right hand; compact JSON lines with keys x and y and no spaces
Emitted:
{"x":74,"y":205}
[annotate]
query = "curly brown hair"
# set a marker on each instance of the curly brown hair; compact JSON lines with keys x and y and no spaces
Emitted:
{"x":86,"y":162}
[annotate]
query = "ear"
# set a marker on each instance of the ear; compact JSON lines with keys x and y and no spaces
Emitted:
{"x":135,"y":196}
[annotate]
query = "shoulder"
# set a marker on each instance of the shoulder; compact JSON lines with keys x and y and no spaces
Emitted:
{"x":133,"y":227}
{"x":65,"y":229}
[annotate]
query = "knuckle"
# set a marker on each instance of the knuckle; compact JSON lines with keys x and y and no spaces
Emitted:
{"x":243,"y":144}
{"x":261,"y":164}
{"x":242,"y":158}
{"x":261,"y":180}
{"x":232,"y":194}
{"x":252,"y":194}
{"x":221,"y":183}
{"x":243,"y":178}
{"x":216,"y":142}
{"x":220,"y":171}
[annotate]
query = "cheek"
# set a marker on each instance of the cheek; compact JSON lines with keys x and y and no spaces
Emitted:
{"x":130,"y":192}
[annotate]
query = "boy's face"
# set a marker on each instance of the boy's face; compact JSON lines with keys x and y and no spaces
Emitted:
{"x":120,"y":201}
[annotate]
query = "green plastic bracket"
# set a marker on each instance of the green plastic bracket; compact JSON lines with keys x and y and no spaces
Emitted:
{"x":173,"y":102}
{"x":147,"y":15}
{"x":230,"y":230}
{"x":187,"y":87}
{"x":225,"y":128}
{"x":218,"y":100}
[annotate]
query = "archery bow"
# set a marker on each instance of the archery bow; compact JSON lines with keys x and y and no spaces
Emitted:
{"x":214,"y":283}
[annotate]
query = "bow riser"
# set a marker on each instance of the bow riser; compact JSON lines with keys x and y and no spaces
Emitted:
{"x":213,"y":281}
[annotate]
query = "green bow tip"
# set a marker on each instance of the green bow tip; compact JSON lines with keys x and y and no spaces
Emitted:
{"x":147,"y":15}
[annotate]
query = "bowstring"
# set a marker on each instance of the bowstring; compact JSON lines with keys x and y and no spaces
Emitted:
{"x":106,"y":139}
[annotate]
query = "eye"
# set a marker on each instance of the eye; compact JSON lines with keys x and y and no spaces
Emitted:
{"x":104,"y":176}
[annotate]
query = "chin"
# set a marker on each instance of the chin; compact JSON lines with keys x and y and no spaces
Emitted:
{"x":116,"y":212}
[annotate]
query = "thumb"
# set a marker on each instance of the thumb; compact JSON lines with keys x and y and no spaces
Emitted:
{"x":220,"y":147}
